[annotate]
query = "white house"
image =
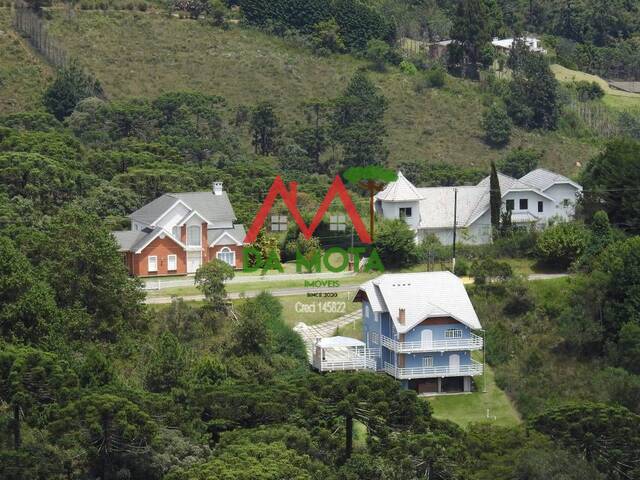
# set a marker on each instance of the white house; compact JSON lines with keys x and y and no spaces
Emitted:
{"x":506,"y":44}
{"x":535,"y":199}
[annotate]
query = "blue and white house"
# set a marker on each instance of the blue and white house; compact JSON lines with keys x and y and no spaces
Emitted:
{"x":419,"y":328}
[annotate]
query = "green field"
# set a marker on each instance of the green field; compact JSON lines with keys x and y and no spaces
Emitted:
{"x":23,"y":76}
{"x":493,"y":407}
{"x":145,"y":54}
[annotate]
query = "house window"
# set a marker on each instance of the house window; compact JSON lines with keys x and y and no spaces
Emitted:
{"x":427,"y":362}
{"x":152,"y":264}
{"x":175,"y":231}
{"x":193,"y":235}
{"x":405,"y":212}
{"x":374,"y":339}
{"x":510,"y":205}
{"x":566,"y":202}
{"x":227,"y":256}
{"x":524,"y":204}
{"x":540,"y":206}
{"x":278,"y":223}
{"x":172,"y":263}
{"x":453,"y":333}
{"x":337,"y":223}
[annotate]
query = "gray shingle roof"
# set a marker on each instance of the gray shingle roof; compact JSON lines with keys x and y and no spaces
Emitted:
{"x":436,"y":208}
{"x":128,"y":238}
{"x":214,"y":208}
{"x":506,"y":183}
{"x":402,"y":190}
{"x":543,"y":179}
{"x":237,"y":233}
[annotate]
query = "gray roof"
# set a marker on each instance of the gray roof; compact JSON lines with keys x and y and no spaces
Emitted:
{"x":237,"y":233}
{"x":422,"y":295}
{"x":436,"y":208}
{"x":402,"y":190}
{"x":214,"y":208}
{"x":506,"y":183}
{"x":543,"y":179}
{"x":128,"y":238}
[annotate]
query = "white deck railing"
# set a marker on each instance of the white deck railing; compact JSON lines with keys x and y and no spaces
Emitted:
{"x":475,"y":368}
{"x":472,"y":343}
{"x":346,"y":359}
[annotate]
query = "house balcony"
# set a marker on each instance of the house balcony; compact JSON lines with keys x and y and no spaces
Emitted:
{"x":475,"y":368}
{"x":453,"y":344}
{"x":341,"y":359}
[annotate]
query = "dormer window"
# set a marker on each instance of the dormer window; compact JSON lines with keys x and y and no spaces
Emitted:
{"x":405,"y":212}
{"x":193,"y":236}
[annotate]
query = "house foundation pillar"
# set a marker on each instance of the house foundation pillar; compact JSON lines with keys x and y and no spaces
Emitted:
{"x":439,"y":385}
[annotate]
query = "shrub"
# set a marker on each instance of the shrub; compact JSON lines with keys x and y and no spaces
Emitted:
{"x":327,"y":38}
{"x":377,"y":53}
{"x":462,"y":267}
{"x":497,"y":125}
{"x":396,"y":245}
{"x":71,"y":85}
{"x":487,"y":270}
{"x":561,"y":244}
{"x":517,"y":163}
{"x":408,"y":68}
{"x":435,"y":77}
{"x":587,"y":90}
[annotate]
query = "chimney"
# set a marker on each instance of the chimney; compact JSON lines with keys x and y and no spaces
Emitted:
{"x":401,"y":316}
{"x":217,"y":188}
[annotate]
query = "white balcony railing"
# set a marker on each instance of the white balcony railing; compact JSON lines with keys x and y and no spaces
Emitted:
{"x":475,"y":368}
{"x":472,"y":343}
{"x":346,"y":359}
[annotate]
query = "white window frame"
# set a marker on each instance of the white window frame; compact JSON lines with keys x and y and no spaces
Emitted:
{"x":155,"y":263}
{"x":427,"y":361}
{"x":453,"y":333}
{"x":175,"y":262}
{"x":175,"y":231}
{"x":226,"y":250}
{"x":190,"y":229}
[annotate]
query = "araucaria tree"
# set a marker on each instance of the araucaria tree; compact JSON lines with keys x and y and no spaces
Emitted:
{"x":358,"y":123}
{"x":265,"y":128}
{"x":495,"y":198}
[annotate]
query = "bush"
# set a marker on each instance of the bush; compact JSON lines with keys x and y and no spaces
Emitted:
{"x":71,"y":85}
{"x":560,"y":245}
{"x":517,"y":163}
{"x":378,"y":53}
{"x":326,"y":38}
{"x":395,"y":243}
{"x":587,"y":90}
{"x":408,"y":68}
{"x":497,"y":125}
{"x":487,"y":270}
{"x":462,"y":267}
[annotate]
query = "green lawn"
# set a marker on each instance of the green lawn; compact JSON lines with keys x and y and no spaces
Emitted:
{"x":145,"y":54}
{"x":353,"y":330}
{"x":293,"y":317}
{"x":493,"y":406}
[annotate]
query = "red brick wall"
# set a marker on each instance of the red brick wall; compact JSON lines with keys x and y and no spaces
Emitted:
{"x":238,"y":249}
{"x":161,"y":248}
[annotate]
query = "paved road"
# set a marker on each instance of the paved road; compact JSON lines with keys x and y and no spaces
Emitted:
{"x":286,"y":292}
{"x":280,"y":292}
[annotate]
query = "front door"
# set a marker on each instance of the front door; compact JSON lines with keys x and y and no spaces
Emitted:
{"x":454,"y":362}
{"x":194,"y":260}
{"x":427,"y":338}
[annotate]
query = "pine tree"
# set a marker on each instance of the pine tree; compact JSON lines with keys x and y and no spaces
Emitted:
{"x":471,"y":32}
{"x":495,"y":198}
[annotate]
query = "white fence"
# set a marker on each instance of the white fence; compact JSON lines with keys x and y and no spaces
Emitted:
{"x":473,"y":343}
{"x":475,"y":368}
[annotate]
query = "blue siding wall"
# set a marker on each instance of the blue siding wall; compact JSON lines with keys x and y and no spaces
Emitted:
{"x":371,"y":324}
{"x":439,"y":359}
{"x":415,"y":334}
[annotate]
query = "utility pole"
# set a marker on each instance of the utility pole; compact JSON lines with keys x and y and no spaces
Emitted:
{"x":455,"y":224}
{"x":484,"y":363}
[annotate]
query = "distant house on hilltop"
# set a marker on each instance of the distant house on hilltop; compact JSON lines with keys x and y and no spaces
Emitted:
{"x":506,"y":44}
{"x":535,"y":199}
{"x":177,"y":232}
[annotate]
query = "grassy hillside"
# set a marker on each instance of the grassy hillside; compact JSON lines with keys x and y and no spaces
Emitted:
{"x":144,"y":54}
{"x":23,"y":76}
{"x":613,"y":98}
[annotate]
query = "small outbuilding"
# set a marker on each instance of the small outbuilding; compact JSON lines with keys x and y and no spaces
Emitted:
{"x":341,"y":353}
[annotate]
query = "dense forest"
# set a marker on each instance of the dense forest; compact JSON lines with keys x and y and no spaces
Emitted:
{"x":95,"y":384}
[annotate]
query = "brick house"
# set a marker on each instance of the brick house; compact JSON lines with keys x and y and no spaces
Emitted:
{"x":177,"y":232}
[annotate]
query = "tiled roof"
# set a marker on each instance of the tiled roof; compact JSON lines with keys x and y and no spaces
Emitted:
{"x":422,"y":295}
{"x":402,"y":190}
{"x":543,"y":179}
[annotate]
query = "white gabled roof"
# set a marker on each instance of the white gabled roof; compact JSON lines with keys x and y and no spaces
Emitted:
{"x":436,"y":207}
{"x":544,"y":179}
{"x":335,"y":342}
{"x":423,"y":295}
{"x":402,"y":190}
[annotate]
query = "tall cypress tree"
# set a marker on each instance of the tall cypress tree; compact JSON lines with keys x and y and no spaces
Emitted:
{"x":495,"y":198}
